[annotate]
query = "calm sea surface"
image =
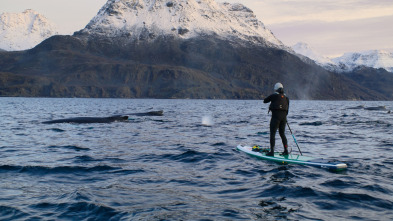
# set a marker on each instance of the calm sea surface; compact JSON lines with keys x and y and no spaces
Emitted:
{"x":185,"y":166}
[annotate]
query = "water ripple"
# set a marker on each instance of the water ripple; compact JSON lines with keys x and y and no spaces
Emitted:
{"x":183,"y":166}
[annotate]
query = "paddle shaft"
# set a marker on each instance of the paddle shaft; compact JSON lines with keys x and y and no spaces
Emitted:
{"x":294,"y":139}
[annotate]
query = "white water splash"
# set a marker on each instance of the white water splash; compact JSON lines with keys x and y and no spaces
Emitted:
{"x":207,"y":121}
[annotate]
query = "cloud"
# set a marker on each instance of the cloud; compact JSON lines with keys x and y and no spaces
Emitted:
{"x":282,"y":11}
{"x":331,"y":27}
{"x":336,"y":38}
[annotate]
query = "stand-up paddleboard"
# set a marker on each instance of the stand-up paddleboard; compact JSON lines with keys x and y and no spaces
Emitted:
{"x":294,"y":159}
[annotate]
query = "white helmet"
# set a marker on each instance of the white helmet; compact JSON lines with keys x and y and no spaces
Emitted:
{"x":278,"y":86}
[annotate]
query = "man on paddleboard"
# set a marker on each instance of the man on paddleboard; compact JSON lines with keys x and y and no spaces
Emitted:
{"x":279,"y":107}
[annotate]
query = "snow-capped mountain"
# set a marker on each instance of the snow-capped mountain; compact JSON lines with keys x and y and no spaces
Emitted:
{"x":147,"y":19}
{"x":21,"y":31}
{"x":373,"y":58}
{"x":306,"y":50}
{"x":349,"y":61}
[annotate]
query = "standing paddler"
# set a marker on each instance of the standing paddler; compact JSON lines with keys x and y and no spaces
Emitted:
{"x":279,"y":107}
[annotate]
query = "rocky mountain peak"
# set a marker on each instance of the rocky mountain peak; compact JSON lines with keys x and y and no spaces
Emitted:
{"x":20,"y":31}
{"x":148,"y":19}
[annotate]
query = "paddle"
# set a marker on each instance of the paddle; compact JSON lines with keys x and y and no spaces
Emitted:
{"x":294,"y":139}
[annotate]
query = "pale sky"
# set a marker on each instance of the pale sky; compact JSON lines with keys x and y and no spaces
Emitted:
{"x":331,"y":27}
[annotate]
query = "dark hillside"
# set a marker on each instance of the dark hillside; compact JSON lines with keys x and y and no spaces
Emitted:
{"x":88,"y":66}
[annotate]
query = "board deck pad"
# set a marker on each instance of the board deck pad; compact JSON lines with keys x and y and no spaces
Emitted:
{"x":294,"y":159}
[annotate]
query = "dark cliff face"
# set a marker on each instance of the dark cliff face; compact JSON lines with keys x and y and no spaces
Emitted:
{"x":206,"y":67}
{"x":378,"y":80}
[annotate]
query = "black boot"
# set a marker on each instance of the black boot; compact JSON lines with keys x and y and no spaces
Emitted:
{"x":271,"y":153}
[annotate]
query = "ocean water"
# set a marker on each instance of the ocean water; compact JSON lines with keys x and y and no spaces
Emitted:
{"x":185,"y":166}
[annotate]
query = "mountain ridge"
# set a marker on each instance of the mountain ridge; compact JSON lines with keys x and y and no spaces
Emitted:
{"x":371,"y":58}
{"x":21,"y":31}
{"x":66,"y":66}
{"x":349,"y":61}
